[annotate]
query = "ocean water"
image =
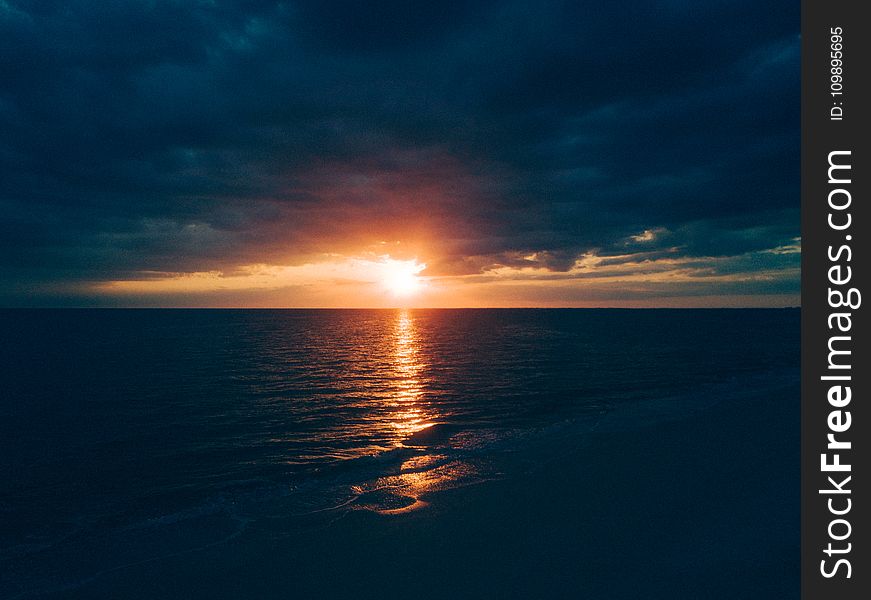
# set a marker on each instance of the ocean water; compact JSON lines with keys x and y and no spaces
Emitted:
{"x":127,"y":436}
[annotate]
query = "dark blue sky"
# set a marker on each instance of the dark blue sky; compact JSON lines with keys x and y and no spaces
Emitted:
{"x":598,"y":152}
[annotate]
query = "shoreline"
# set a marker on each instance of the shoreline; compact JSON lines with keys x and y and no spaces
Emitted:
{"x":628,"y":513}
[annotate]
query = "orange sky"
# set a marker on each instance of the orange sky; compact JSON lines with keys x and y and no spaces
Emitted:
{"x":373,"y":280}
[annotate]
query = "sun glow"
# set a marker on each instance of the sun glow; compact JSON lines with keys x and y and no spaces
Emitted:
{"x":401,"y":278}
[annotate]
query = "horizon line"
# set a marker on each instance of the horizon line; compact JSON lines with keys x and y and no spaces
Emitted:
{"x":386,"y":308}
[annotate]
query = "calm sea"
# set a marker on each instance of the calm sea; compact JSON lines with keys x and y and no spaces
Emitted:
{"x":127,"y":432}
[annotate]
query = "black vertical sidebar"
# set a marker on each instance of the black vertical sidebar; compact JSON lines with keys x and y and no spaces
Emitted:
{"x":836,"y":365}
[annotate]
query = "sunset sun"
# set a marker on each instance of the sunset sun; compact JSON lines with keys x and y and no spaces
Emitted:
{"x":400,"y":277}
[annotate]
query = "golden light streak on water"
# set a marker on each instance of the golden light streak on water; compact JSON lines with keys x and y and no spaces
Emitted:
{"x":409,"y":415}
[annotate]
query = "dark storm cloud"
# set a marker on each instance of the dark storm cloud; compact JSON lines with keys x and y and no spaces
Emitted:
{"x":192,"y":136}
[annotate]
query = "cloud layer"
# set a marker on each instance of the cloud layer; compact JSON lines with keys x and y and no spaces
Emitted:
{"x":488,"y":139}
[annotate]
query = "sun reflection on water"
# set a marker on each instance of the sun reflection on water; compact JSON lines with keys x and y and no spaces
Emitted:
{"x":417,"y":478}
{"x":409,"y":415}
{"x":430,"y":468}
